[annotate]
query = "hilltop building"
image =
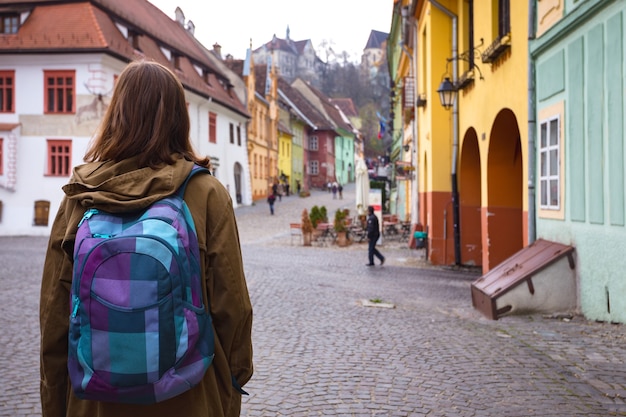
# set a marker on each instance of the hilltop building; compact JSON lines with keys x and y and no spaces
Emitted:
{"x":294,"y":59}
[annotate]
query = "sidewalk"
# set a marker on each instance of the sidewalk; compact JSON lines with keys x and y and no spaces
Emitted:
{"x":256,"y":225}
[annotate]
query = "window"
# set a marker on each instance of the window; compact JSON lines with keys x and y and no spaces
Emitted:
{"x":231,"y":133}
{"x":313,"y":143}
{"x":549,"y":157}
{"x":133,"y":39}
{"x":176,"y":61}
{"x":212,"y":127}
{"x":59,"y":96}
{"x":314,"y":166}
{"x":238,"y":135}
{"x":7,"y":90}
{"x":59,"y":158}
{"x":504,"y":18}
{"x":9,"y":23}
{"x":1,"y":156}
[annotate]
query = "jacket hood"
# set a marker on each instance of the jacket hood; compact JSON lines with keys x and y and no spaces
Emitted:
{"x":121,"y":186}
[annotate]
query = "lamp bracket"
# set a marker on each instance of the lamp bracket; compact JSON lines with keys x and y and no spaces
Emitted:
{"x":467,"y":56}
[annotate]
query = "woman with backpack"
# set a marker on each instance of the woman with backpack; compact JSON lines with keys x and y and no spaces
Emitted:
{"x":141,"y":156}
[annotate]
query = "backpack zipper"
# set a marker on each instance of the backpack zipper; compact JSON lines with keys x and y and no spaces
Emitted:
{"x":76,"y":305}
{"x":101,"y":236}
{"x":87,"y":215}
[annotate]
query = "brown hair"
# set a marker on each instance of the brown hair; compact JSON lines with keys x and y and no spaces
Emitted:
{"x":147,"y":118}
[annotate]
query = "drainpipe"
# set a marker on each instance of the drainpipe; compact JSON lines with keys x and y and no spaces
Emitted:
{"x":455,"y":137}
{"x":532,"y":128}
{"x":414,"y":153}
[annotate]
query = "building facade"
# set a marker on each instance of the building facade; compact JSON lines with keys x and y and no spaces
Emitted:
{"x":578,"y":58}
{"x":56,"y":85}
{"x":471,"y":156}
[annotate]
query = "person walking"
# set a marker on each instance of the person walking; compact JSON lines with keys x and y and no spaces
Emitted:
{"x":141,"y":154}
{"x":373,"y":234}
{"x":271,"y":199}
{"x":340,"y":190}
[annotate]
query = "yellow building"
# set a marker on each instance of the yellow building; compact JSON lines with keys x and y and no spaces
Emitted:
{"x":285,"y":151}
{"x":471,"y":158}
{"x":262,"y":91}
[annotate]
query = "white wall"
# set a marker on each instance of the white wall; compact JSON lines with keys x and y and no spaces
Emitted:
{"x":94,"y":72}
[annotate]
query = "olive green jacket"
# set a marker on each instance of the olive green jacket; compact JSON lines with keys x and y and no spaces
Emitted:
{"x":117,"y":187}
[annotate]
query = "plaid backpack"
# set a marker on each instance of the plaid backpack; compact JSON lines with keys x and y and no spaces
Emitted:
{"x":139,"y":328}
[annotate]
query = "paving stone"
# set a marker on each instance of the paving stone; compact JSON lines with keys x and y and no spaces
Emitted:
{"x":319,"y":352}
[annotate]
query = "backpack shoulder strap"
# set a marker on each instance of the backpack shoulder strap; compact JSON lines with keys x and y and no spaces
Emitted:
{"x":195,"y":170}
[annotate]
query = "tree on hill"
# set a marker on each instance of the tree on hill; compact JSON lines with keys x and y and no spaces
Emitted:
{"x":370,"y":95}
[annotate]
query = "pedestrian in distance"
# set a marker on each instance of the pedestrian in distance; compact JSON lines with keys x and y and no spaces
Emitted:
{"x":271,"y":199}
{"x":298,"y":186}
{"x":373,"y":234}
{"x":141,"y":154}
{"x":279,"y":192}
{"x":340,"y":190}
{"x":334,"y":189}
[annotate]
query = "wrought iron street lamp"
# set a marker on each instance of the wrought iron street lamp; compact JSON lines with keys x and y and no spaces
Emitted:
{"x":447,"y":93}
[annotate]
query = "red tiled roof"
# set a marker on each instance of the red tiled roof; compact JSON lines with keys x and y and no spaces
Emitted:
{"x":88,"y":26}
{"x":303,"y":105}
{"x":346,"y":105}
{"x":66,"y":26}
{"x":260,"y":79}
{"x":328,"y":108}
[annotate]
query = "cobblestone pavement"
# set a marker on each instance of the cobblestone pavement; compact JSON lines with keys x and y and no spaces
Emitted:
{"x":322,"y":350}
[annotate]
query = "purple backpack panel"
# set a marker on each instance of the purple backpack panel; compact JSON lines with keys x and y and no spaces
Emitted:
{"x":139,"y":330}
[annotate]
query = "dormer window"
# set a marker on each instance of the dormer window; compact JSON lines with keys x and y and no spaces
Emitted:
{"x":176,"y":61}
{"x":206,"y":76}
{"x":9,"y":23}
{"x":133,"y":39}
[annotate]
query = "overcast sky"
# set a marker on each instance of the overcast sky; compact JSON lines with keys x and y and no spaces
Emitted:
{"x":344,"y":24}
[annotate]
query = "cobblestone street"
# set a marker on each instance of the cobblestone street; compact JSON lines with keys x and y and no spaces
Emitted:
{"x":322,"y":350}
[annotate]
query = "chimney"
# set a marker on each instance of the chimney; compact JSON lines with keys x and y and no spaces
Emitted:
{"x":180,"y":16}
{"x":191,"y":28}
{"x":217,"y":48}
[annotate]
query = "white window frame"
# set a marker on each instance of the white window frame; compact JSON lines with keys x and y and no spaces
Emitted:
{"x":314,"y":168}
{"x":313,"y":143}
{"x":550,"y":154}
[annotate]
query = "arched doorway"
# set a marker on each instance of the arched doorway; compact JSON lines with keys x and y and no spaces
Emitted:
{"x":470,"y":200}
{"x":238,"y":186}
{"x":503,"y":217}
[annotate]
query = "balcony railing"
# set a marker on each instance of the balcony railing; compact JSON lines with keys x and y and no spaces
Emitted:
{"x":496,"y":49}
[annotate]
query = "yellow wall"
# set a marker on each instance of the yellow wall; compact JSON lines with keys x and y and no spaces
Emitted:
{"x":435,"y":122}
{"x":284,"y":154}
{"x":505,"y":86}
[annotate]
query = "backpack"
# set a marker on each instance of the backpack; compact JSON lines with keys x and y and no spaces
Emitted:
{"x":139,"y":329}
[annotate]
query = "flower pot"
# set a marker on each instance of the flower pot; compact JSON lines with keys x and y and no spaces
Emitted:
{"x":342,"y":239}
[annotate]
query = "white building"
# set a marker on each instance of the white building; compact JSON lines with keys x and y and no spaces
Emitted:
{"x":58,"y":66}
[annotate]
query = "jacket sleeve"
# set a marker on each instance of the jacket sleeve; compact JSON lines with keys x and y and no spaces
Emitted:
{"x":231,"y":308}
{"x":53,"y":317}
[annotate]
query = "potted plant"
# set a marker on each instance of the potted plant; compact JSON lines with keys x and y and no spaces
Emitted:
{"x":307,"y":228}
{"x":340,"y":227}
{"x":318,"y":215}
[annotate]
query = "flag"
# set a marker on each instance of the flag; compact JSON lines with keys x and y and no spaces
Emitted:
{"x":381,"y":129}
